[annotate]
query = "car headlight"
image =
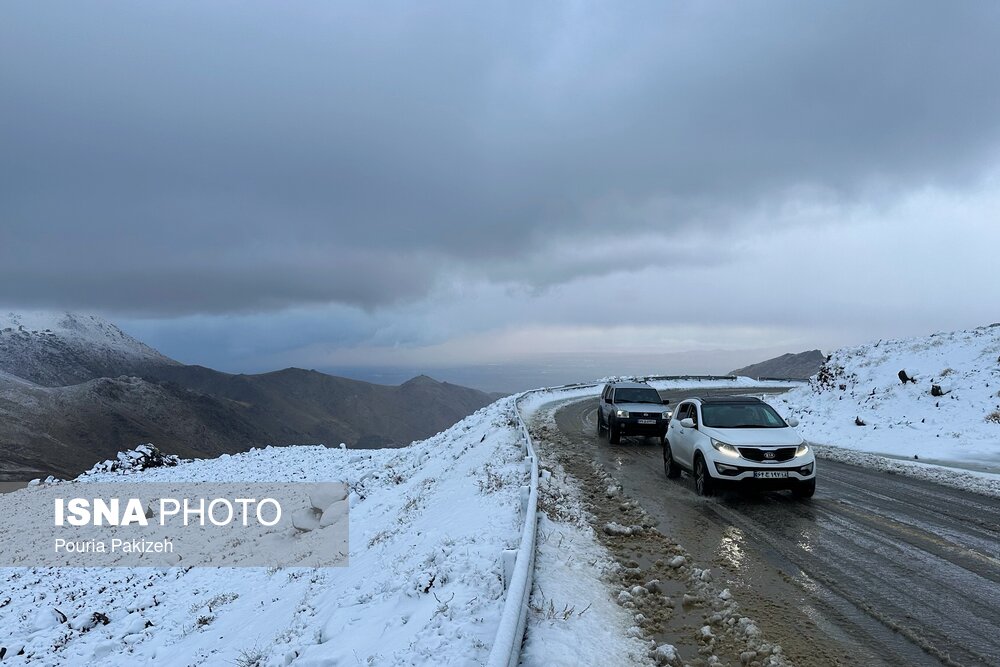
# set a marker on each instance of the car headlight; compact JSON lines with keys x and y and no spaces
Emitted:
{"x":801,"y":450}
{"x":725,"y":448}
{"x":666,"y":415}
{"x":622,"y":413}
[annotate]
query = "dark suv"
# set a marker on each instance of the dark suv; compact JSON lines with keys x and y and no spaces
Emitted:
{"x":631,"y":408}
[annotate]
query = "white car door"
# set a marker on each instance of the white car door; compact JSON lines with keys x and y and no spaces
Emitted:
{"x":680,"y":437}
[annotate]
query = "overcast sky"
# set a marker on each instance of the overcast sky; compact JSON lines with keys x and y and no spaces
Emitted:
{"x":431,"y":186}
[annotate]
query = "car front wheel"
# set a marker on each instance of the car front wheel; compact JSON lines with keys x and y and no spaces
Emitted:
{"x":614,"y":432}
{"x":805,"y":489}
{"x":702,"y":479}
{"x":670,"y":468}
{"x":600,"y":426}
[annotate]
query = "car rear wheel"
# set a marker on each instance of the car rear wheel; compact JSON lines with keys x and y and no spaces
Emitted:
{"x":805,"y":489}
{"x":702,"y":479}
{"x":670,"y":468}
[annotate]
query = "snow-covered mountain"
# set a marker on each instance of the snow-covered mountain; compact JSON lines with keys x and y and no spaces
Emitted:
{"x":59,"y":349}
{"x":947,"y":408}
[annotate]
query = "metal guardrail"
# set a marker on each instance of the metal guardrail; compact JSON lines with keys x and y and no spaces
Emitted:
{"x":506,"y":651}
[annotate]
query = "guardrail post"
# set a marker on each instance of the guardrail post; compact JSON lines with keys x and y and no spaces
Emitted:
{"x":509,"y":557}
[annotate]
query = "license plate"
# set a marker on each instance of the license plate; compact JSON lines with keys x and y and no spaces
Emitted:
{"x":646,"y":421}
{"x":770,"y":474}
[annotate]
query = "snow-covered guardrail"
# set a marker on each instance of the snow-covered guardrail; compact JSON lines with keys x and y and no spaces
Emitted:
{"x":506,"y":651}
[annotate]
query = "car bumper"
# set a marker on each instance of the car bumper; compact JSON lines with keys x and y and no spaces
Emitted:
{"x":633,"y":427}
{"x":746,"y":476}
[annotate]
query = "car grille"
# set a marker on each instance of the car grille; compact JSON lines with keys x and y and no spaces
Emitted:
{"x":757,"y":454}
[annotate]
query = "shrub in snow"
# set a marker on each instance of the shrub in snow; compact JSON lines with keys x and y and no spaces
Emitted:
{"x":251,"y":657}
{"x":134,"y":460}
{"x":904,"y":377}
{"x":993,"y":417}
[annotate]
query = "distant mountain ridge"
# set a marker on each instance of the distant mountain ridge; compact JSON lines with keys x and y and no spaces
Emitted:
{"x":76,"y":389}
{"x":801,"y":366}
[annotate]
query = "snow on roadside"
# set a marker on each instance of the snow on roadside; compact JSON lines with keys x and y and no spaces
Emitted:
{"x":946,"y":412}
{"x":428,"y":524}
{"x":573,"y":619}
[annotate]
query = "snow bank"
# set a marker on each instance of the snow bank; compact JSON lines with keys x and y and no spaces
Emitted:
{"x":428,"y":525}
{"x":946,"y":411}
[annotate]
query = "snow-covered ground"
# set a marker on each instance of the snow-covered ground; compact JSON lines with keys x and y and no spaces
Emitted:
{"x":947,"y":413}
{"x":428,"y":525}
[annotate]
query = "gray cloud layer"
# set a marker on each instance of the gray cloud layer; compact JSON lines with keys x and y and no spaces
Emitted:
{"x":196,"y":157}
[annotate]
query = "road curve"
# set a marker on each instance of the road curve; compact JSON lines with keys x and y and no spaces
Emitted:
{"x":876,"y":569}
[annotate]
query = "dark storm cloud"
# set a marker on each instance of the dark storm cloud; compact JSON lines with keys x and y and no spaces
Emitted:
{"x":219,"y":157}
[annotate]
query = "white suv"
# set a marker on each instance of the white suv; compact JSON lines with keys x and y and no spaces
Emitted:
{"x":738,"y":441}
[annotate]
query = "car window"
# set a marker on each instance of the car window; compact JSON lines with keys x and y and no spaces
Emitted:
{"x":637,"y":395}
{"x":684,"y":411}
{"x":745,"y":415}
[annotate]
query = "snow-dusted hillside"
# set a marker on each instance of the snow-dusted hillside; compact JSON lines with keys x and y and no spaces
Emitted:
{"x":427,"y":527}
{"x":58,"y":349}
{"x":949,"y":410}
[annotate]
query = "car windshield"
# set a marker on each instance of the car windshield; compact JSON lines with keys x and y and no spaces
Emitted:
{"x":637,"y":395}
{"x":741,"y":415}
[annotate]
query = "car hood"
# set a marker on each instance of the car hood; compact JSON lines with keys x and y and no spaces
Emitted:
{"x":651,"y":408}
{"x":755,"y":437}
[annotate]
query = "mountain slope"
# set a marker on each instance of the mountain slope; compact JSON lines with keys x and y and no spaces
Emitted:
{"x":59,"y":349}
{"x":300,"y":406}
{"x":75,"y":389}
{"x":949,"y":411}
{"x":63,"y":430}
{"x":799,"y":366}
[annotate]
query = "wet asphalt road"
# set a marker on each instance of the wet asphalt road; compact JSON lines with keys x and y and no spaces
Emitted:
{"x":877,"y":569}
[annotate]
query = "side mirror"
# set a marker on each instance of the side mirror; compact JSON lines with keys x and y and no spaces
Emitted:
{"x":792,"y":421}
{"x":666,"y":401}
{"x":687,"y":422}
